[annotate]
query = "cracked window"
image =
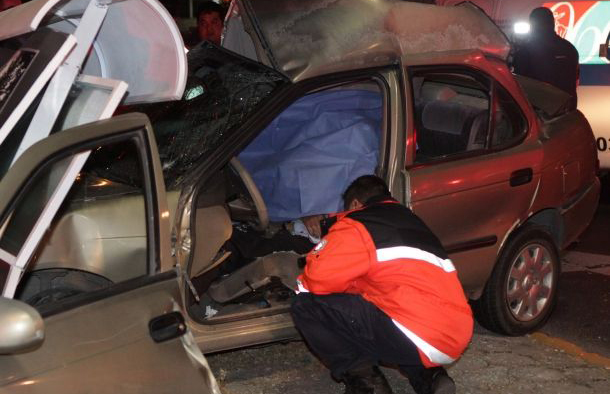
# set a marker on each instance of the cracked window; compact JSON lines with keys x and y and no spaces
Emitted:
{"x":223,"y":90}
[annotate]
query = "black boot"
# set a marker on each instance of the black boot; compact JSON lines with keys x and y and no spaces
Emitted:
{"x":442,"y":382}
{"x":368,"y":380}
{"x":430,"y":380}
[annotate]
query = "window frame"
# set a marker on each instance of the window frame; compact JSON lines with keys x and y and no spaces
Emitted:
{"x":139,"y":137}
{"x":285,"y":96}
{"x":272,"y":108}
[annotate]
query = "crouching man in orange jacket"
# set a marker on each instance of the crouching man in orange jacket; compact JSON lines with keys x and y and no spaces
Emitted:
{"x":379,"y":288}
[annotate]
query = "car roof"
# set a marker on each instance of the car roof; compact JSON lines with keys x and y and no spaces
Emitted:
{"x":316,"y":37}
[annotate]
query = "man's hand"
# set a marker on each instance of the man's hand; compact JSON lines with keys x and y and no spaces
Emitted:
{"x":312,"y":223}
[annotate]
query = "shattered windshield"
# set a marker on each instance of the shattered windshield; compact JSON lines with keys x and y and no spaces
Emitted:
{"x":222,"y":90}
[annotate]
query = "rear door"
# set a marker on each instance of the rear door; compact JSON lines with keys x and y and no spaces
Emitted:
{"x":474,"y":172}
{"x":122,"y":336}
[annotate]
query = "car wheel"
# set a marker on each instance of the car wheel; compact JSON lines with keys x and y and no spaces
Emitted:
{"x":522,"y":289}
{"x":45,"y":286}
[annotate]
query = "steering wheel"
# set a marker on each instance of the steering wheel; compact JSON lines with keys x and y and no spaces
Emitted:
{"x":255,"y":194}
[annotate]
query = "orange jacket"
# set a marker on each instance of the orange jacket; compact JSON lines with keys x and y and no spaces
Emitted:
{"x":389,"y":256}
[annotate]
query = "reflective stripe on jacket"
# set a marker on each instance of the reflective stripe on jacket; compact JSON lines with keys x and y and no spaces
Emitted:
{"x":388,"y":255}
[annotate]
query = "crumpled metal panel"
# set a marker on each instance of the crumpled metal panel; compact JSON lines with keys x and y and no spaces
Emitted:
{"x":309,"y":38}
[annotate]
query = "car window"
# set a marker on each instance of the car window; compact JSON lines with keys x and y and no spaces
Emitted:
{"x":321,"y":142}
{"x":299,"y":164}
{"x":451,"y":113}
{"x":99,"y":234}
{"x":222,"y":91}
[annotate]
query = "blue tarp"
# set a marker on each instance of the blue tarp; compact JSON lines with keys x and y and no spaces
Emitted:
{"x":305,"y":159}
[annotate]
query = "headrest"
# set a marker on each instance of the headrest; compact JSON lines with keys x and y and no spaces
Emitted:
{"x":446,"y":116}
{"x":435,"y":92}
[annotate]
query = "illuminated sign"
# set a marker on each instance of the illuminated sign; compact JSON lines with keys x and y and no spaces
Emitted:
{"x":585,"y":24}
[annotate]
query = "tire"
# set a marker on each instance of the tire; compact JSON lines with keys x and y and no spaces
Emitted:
{"x":46,"y":286}
{"x":522,"y":289}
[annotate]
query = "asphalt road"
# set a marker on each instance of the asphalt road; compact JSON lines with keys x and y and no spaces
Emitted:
{"x":491,"y":364}
{"x":582,"y":315}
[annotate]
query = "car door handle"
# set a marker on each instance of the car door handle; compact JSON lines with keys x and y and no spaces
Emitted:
{"x":521,"y":177}
{"x":168,"y":326}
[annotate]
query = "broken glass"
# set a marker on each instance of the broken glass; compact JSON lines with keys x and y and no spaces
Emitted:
{"x":222,"y":91}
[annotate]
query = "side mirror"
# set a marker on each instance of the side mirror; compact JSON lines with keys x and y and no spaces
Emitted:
{"x":21,"y":326}
{"x":603,"y":48}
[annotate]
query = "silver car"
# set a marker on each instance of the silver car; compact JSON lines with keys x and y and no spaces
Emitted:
{"x":117,"y":231}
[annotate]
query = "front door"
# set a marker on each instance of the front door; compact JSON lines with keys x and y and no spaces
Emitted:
{"x":102,"y":335}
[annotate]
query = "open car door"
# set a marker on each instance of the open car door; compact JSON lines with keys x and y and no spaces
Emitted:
{"x":122,"y":335}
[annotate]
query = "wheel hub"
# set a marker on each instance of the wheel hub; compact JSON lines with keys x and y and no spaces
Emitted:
{"x":530,"y":283}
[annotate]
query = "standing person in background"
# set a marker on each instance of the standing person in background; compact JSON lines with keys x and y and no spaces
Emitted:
{"x":547,"y":57}
{"x":379,"y":288}
{"x":210,"y":19}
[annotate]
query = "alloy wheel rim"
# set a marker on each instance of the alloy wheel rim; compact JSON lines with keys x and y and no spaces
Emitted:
{"x":530,"y":282}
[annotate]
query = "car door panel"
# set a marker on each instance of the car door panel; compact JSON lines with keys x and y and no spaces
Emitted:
{"x":105,"y":347}
{"x":479,"y":187}
{"x":100,"y":341}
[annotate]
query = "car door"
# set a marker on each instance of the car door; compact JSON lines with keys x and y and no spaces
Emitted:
{"x":122,"y":336}
{"x":474,"y":171}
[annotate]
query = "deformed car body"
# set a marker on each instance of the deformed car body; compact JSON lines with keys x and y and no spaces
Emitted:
{"x":496,"y":166}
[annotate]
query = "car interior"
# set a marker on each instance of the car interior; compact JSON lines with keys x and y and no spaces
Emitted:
{"x":297,"y":166}
{"x":452,"y":115}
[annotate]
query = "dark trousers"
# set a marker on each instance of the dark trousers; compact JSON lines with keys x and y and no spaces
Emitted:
{"x":246,"y":245}
{"x":349,"y":333}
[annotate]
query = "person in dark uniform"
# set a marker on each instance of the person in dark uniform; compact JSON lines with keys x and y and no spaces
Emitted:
{"x":380,"y":289}
{"x":547,"y":57}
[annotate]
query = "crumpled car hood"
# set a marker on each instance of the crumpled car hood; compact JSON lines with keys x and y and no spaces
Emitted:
{"x":303,"y":39}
